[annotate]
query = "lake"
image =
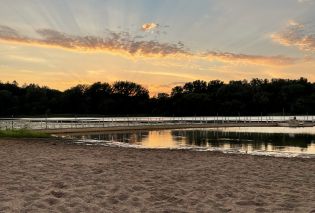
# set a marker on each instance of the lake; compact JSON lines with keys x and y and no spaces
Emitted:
{"x":273,"y":141}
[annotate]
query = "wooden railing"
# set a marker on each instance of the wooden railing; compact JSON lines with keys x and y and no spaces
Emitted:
{"x":103,"y":122}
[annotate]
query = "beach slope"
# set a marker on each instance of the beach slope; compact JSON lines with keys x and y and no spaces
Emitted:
{"x":47,"y":175}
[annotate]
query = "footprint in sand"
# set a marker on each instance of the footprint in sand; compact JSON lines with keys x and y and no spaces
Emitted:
{"x":261,"y":210}
{"x":220,"y":196}
{"x":115,"y":189}
{"x":57,"y":194}
{"x":60,"y":185}
{"x":98,"y":171}
{"x":113,"y":200}
{"x":123,"y":197}
{"x":51,"y":201}
{"x":138,"y":188}
{"x":249,"y":203}
{"x":4,"y":209}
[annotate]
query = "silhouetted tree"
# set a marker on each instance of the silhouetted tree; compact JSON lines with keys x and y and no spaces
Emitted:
{"x":129,"y":89}
{"x":193,"y":98}
{"x":75,"y":100}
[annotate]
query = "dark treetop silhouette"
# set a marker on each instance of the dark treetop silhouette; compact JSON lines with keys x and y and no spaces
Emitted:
{"x":256,"y":97}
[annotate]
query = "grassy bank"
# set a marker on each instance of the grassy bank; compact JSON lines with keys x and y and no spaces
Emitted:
{"x":22,"y":133}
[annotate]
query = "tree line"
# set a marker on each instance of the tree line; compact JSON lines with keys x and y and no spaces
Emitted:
{"x":123,"y":98}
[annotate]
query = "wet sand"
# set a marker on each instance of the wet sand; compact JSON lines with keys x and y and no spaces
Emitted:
{"x":49,"y":176}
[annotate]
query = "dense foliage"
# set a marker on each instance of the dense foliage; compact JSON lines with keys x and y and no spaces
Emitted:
{"x":256,"y":97}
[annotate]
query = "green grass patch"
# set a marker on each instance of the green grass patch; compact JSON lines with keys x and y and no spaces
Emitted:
{"x":22,"y":133}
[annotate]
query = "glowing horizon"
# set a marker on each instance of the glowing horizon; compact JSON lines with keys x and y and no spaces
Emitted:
{"x":159,"y":44}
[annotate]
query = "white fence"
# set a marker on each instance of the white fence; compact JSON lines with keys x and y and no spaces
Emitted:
{"x":98,"y":122}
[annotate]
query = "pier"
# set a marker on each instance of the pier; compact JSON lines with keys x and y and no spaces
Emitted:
{"x":97,"y":124}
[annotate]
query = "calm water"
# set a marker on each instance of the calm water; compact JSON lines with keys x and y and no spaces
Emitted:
{"x":275,"y":141}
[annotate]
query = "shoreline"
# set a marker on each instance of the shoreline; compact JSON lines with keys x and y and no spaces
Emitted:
{"x":40,"y":175}
{"x":272,"y":154}
{"x":155,"y":127}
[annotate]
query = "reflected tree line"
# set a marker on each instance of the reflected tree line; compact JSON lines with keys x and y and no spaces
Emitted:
{"x":123,"y":98}
{"x":126,"y":137}
{"x":203,"y":138}
{"x":256,"y":140}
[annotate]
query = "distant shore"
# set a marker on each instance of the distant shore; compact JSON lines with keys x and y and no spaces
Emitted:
{"x":40,"y":175}
{"x":158,"y":127}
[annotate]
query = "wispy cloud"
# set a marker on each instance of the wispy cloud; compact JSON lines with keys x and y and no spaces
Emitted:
{"x":7,"y":33}
{"x":149,"y":26}
{"x":295,"y":34}
{"x":121,"y":42}
{"x":305,"y":1}
{"x":177,"y":75}
{"x":27,"y":59}
{"x":128,"y":45}
{"x":154,"y":28}
{"x":253,"y":59}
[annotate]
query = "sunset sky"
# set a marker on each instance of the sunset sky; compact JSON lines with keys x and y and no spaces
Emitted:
{"x":157,"y":43}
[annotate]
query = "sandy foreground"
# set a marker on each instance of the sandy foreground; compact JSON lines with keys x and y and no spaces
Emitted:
{"x":50,"y":176}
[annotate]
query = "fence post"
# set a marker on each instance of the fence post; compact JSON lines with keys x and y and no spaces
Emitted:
{"x":12,"y":125}
{"x":46,"y":122}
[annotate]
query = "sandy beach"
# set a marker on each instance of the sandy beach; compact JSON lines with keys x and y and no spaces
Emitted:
{"x":47,"y":175}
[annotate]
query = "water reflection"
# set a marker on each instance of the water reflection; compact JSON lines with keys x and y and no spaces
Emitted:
{"x":242,"y":140}
{"x":247,"y":141}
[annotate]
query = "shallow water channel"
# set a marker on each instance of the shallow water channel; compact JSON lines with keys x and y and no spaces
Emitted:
{"x":273,"y":141}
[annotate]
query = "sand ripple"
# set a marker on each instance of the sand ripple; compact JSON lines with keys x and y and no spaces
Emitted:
{"x":49,"y":176}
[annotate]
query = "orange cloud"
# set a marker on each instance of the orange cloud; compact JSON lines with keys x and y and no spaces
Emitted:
{"x":149,"y":26}
{"x":296,"y":35}
{"x":121,"y":42}
{"x":252,"y":59}
{"x":124,"y":44}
